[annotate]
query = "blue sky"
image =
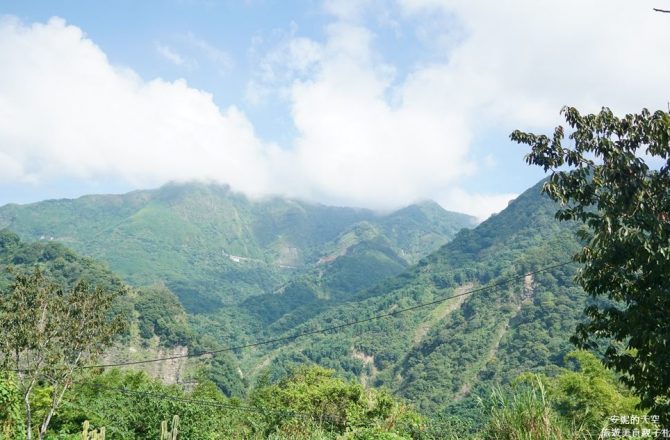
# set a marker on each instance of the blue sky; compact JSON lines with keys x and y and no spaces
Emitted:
{"x":369,"y":103}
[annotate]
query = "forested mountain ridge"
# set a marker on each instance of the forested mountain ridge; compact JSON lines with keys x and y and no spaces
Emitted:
{"x":166,"y":325}
{"x":213,"y":246}
{"x":440,"y":357}
{"x":237,"y":265}
{"x":156,"y":324}
{"x":445,"y":355}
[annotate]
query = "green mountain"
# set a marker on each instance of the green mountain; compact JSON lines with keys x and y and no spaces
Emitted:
{"x":152,"y":312}
{"x":62,"y":265}
{"x":157,"y":324}
{"x":248,"y":269}
{"x":443,"y":356}
{"x":212,"y":246}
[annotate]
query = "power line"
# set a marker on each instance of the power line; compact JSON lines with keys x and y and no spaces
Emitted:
{"x":329,"y":329}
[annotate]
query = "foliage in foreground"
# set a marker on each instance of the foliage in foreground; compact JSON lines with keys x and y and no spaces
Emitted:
{"x":49,"y":332}
{"x":576,"y":403}
{"x":525,"y":414}
{"x":326,"y":402}
{"x":623,"y":203}
{"x":310,"y":403}
{"x":313,"y":403}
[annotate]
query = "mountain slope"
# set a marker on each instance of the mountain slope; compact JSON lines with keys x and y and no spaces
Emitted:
{"x":157,"y":324}
{"x":271,"y":268}
{"x":212,"y":246}
{"x":442,"y":356}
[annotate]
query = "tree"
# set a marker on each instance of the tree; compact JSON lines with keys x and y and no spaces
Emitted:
{"x":524,"y":412}
{"x":11,"y":419}
{"x":48,"y":333}
{"x":312,"y":399}
{"x":587,"y":395}
{"x":605,"y":182}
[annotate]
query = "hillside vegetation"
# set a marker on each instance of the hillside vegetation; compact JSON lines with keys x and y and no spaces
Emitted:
{"x":156,"y":323}
{"x":212,"y":246}
{"x":236,"y":265}
{"x":446,"y":356}
{"x":447,"y":366}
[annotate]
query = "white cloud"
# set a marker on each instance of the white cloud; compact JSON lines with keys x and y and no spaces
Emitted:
{"x":170,"y":54}
{"x":517,"y":63}
{"x":355,"y":145}
{"x":291,"y":57}
{"x":221,"y":59}
{"x":193,"y":53}
{"x":365,"y":136}
{"x":66,"y":112}
{"x":347,"y":9}
{"x":173,"y":56}
{"x":12,"y":170}
{"x":476,"y":204}
{"x":369,"y":137}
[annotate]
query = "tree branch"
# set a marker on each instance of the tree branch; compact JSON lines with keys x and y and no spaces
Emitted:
{"x":662,"y":10}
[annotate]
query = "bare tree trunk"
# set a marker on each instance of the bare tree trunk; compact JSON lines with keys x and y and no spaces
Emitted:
{"x":26,"y":399}
{"x":54,"y":404}
{"x":58,"y":396}
{"x":29,"y":434}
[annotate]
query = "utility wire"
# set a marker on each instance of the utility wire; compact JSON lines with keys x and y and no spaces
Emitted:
{"x":332,"y":328}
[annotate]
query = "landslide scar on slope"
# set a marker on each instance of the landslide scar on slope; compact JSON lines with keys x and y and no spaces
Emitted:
{"x":440,"y":312}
